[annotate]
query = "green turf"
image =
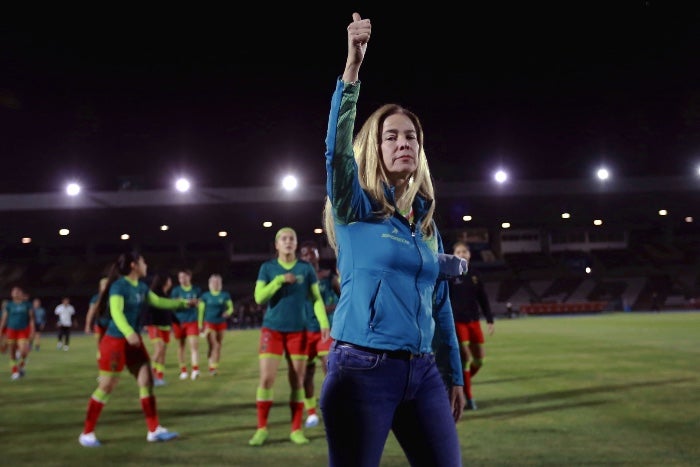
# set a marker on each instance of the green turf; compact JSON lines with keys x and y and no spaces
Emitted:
{"x":618,"y":389}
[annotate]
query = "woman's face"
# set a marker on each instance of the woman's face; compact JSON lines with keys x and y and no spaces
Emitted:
{"x":399,"y":146}
{"x":141,"y":267}
{"x":286,"y":243}
{"x":215,"y":283}
{"x":462,"y":252}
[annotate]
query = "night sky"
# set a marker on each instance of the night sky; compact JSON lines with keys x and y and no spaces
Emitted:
{"x":236,"y":98}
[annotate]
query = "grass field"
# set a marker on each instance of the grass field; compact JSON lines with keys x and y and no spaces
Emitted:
{"x":618,"y":389}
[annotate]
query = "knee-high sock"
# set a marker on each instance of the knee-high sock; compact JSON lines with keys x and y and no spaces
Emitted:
{"x":475,"y":365}
{"x":310,"y":405}
{"x":263,"y":402}
{"x":296,"y":405}
{"x":467,"y":384}
{"x":148,"y":405}
{"x":97,"y":401}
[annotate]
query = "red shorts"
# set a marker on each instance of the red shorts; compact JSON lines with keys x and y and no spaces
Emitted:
{"x":278,"y":343}
{"x":316,"y":347}
{"x":116,"y":353}
{"x":182,"y":330}
{"x":469,"y":332}
{"x":17,"y":334}
{"x":99,"y":330}
{"x":215,"y":326}
{"x":156,"y":333}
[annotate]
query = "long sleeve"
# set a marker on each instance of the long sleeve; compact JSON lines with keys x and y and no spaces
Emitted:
{"x":264,"y":292}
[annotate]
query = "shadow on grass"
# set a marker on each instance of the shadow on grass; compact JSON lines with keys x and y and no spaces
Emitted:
{"x":554,"y":396}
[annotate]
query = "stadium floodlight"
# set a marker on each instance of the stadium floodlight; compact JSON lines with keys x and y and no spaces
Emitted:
{"x":505,"y":225}
{"x":466,"y":218}
{"x":501,"y":176}
{"x":318,"y":230}
{"x":125,"y":236}
{"x":26,"y":240}
{"x":663,"y":212}
{"x":290,"y":182}
{"x":267,"y":224}
{"x":164,"y":227}
{"x":597,"y":222}
{"x":63,"y":232}
{"x":603,"y":174}
{"x":689,"y":219}
{"x":565,"y":215}
{"x":588,"y":269}
{"x":182,"y":185}
{"x":223,"y":233}
{"x":73,"y":189}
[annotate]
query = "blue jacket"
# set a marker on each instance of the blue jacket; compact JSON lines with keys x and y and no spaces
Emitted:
{"x":391,"y":296}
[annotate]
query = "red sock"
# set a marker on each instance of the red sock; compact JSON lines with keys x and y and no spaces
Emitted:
{"x":15,"y":369}
{"x":93,"y":413}
{"x":148,"y":405}
{"x":467,"y":384}
{"x":183,"y":369}
{"x":473,"y":370}
{"x":195,"y":367}
{"x":263,"y":412}
{"x":311,"y":411}
{"x":297,"y":413}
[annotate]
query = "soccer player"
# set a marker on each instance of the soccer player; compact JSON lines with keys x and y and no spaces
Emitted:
{"x":122,"y":346}
{"x":285,"y":285}
{"x":215,"y":307}
{"x":468,"y":295}
{"x":317,"y":347}
{"x":18,"y":324}
{"x":186,"y":327}
{"x":159,"y":323}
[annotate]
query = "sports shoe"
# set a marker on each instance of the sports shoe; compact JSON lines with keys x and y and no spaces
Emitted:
{"x":297,"y":437}
{"x":183,"y":375}
{"x":259,"y":437}
{"x":89,"y":440}
{"x":161,"y":434}
{"x":158,"y":382}
{"x":213,"y":372}
{"x":194,"y":375}
{"x":65,"y":348}
{"x":311,"y":421}
{"x":471,"y":405}
{"x":59,"y":346}
{"x":21,"y":372}
{"x":15,"y":376}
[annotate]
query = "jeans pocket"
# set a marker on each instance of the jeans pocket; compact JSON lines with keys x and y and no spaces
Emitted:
{"x":354,"y":359}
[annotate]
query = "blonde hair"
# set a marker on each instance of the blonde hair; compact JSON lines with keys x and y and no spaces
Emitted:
{"x":373,"y":176}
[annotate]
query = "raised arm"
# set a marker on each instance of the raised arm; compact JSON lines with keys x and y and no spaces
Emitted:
{"x":358,"y":37}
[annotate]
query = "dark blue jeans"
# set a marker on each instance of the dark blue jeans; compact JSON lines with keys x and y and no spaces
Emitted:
{"x":365,"y":395}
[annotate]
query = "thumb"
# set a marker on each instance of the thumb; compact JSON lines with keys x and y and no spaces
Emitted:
{"x":356,"y":17}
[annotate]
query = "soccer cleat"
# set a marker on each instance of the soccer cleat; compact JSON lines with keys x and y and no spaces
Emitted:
{"x":311,"y":421}
{"x":161,"y":434}
{"x":183,"y":375}
{"x":259,"y":437}
{"x":194,"y":375}
{"x":158,"y":382}
{"x":15,"y":376}
{"x":89,"y":440}
{"x":65,"y":348}
{"x":471,"y":405}
{"x":21,"y":372}
{"x":59,"y":346}
{"x":297,"y":437}
{"x":213,"y":372}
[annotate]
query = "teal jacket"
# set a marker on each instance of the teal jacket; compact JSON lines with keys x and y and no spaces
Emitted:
{"x":392,"y":297}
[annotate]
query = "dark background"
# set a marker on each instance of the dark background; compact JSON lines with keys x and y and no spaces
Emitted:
{"x":133,"y":96}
